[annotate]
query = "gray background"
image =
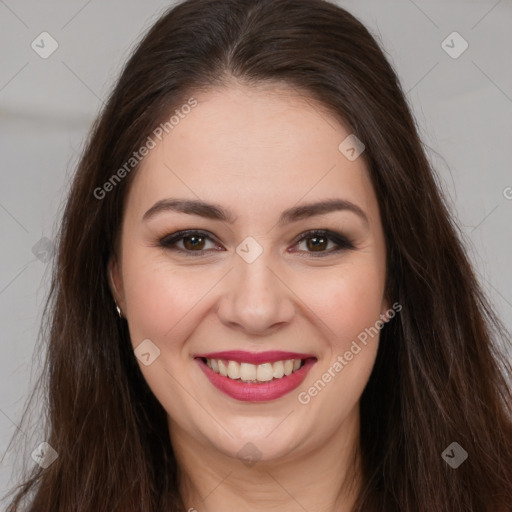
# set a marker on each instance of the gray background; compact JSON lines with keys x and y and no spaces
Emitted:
{"x":463,"y":107}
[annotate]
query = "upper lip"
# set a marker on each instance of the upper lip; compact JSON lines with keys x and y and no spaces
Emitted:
{"x":242,"y":356}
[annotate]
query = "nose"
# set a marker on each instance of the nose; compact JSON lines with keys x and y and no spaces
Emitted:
{"x":257,"y":300}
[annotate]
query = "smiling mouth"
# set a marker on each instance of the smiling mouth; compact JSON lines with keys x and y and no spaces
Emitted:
{"x":254,"y":373}
{"x":272,"y":376}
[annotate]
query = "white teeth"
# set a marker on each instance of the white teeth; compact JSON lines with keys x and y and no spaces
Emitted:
{"x":265,"y":372}
{"x":223,"y":370}
{"x":233,"y":370}
{"x":247,"y":372}
{"x":278,"y":369}
{"x":254,"y":373}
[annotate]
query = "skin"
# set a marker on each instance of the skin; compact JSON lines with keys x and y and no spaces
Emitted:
{"x":256,"y":151}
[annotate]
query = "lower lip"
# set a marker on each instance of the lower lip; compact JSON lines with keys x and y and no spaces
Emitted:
{"x":262,"y":392}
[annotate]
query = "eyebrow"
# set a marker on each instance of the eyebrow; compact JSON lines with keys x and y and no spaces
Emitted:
{"x":217,"y":212}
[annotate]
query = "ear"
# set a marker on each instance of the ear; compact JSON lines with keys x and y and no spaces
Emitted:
{"x":115,"y":282}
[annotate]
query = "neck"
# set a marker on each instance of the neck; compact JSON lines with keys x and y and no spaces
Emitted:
{"x":324,"y":478}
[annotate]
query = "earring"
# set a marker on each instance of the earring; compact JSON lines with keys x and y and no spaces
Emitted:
{"x":118,"y":310}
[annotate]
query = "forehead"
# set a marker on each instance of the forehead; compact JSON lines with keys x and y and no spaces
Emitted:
{"x":253,"y":148}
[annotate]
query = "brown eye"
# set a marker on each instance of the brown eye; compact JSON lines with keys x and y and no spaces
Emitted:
{"x":318,"y":241}
{"x":192,"y":243}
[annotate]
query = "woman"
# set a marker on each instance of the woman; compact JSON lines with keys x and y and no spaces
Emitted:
{"x":261,"y":301}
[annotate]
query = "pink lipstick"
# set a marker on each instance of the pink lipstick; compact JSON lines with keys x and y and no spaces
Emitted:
{"x":275,"y":383}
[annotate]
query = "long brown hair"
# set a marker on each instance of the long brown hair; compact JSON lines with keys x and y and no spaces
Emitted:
{"x":439,"y":376}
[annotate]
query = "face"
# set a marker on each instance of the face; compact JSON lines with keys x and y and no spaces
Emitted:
{"x":255,"y":288}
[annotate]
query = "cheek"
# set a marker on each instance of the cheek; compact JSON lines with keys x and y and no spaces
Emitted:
{"x":347,"y":300}
{"x":350,"y":306}
{"x":161,"y":296}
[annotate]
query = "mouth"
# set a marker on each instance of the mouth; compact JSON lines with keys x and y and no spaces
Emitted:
{"x":255,"y":377}
{"x":255,"y":374}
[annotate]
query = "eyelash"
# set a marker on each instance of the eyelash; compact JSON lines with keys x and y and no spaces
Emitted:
{"x":168,"y":241}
